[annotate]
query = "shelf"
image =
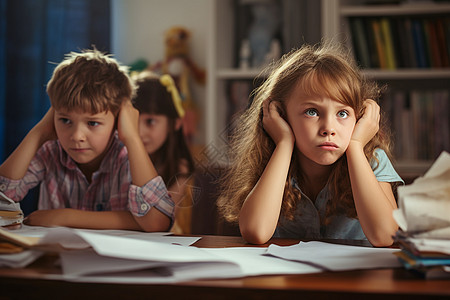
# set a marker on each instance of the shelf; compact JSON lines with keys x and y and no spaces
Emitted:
{"x":238,"y":73}
{"x":231,"y":73}
{"x":402,"y":74}
{"x":395,"y":10}
{"x":412,"y":168}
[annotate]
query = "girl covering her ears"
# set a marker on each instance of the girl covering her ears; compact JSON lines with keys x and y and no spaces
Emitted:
{"x":310,"y":156}
{"x":160,"y":127}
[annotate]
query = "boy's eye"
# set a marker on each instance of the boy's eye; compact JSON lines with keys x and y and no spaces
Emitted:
{"x":343,"y":114}
{"x":311,"y":112}
{"x":64,"y":120}
{"x":93,"y":123}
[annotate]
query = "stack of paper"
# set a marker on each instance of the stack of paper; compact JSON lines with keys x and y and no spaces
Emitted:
{"x":10,"y":212}
{"x":424,"y":220}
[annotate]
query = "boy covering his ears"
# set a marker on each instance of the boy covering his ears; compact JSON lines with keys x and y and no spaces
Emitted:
{"x":87,"y":155}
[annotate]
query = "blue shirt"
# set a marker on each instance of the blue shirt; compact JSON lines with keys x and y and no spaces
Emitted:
{"x":306,"y":223}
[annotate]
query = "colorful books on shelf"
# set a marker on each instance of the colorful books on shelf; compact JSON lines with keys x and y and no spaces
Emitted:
{"x":401,"y":42}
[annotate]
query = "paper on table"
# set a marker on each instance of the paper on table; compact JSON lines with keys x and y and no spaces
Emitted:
{"x":424,"y":205}
{"x":337,"y":257}
{"x":253,"y":261}
{"x":19,"y":260}
{"x":89,"y":266}
{"x":60,"y":238}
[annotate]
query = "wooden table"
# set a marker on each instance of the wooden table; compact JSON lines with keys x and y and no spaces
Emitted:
{"x":398,"y":283}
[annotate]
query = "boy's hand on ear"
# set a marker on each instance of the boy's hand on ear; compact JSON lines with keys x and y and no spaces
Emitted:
{"x":368,"y":125}
{"x":277,"y":128}
{"x":128,"y":122}
{"x":46,"y":126}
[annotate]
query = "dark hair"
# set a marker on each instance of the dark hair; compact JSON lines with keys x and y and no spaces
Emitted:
{"x":152,"y":97}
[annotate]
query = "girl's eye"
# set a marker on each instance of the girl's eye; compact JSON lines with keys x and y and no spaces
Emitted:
{"x":93,"y":123}
{"x":150,"y":122}
{"x":311,"y":112}
{"x":343,"y":114}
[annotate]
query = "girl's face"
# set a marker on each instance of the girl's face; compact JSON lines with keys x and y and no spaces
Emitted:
{"x":84,"y":136}
{"x":322,"y":127}
{"x":153,"y":130}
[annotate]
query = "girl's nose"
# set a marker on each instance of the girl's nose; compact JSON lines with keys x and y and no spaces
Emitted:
{"x":328,"y":132}
{"x":328,"y":128}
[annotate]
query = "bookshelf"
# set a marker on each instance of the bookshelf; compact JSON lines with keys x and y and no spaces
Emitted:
{"x":421,"y":86}
{"x":334,"y":16}
{"x":298,"y":23}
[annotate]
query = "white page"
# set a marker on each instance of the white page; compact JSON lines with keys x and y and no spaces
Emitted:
{"x":71,"y":238}
{"x":170,"y":273}
{"x":253,"y":261}
{"x":19,"y":260}
{"x":337,"y":257}
{"x":88,"y":266}
{"x":88,"y":262}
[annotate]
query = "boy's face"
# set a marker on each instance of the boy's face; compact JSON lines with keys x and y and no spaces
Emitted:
{"x":153,"y":130}
{"x":322,"y":127}
{"x":84,"y":136}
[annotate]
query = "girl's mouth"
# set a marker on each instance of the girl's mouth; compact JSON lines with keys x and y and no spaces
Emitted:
{"x":328,"y":146}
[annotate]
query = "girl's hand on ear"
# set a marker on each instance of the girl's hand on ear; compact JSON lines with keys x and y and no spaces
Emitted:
{"x":368,"y":125}
{"x":277,"y":128}
{"x":128,"y":122}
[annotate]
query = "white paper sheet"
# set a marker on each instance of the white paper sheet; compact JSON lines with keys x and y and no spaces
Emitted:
{"x":253,"y":261}
{"x":337,"y":257}
{"x":71,"y":238}
{"x":88,"y":266}
{"x":424,"y":205}
{"x":19,"y":260}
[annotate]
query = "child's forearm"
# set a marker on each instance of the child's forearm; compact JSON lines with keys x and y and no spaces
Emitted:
{"x":83,"y":219}
{"x":374,"y":201}
{"x":16,"y":165}
{"x":141,"y":167}
{"x":261,"y":209}
{"x":153,"y":221}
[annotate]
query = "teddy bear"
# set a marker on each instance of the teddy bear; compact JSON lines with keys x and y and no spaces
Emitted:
{"x":178,"y":63}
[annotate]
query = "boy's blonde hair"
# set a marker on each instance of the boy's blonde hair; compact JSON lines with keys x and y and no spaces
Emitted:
{"x":90,"y":81}
{"x":322,"y":70}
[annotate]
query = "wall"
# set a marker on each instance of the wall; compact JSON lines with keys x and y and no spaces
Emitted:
{"x":138,"y":26}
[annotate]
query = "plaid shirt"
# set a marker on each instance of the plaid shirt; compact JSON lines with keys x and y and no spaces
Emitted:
{"x":63,"y":185}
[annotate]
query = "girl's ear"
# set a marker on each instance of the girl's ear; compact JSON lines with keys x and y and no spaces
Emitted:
{"x":178,"y":123}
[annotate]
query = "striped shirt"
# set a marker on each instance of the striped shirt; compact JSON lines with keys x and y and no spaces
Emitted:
{"x":63,"y":185}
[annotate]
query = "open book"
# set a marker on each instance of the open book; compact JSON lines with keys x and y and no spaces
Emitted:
{"x":10,"y":211}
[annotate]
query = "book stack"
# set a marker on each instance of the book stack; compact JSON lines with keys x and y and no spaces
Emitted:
{"x":401,"y":42}
{"x":429,"y":258}
{"x":422,"y":216}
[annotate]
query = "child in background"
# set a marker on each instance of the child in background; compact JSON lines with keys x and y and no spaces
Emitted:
{"x":310,"y":159}
{"x":160,"y":128}
{"x":87,"y":154}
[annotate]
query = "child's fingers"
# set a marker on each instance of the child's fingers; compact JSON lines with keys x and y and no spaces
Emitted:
{"x":371,"y":109}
